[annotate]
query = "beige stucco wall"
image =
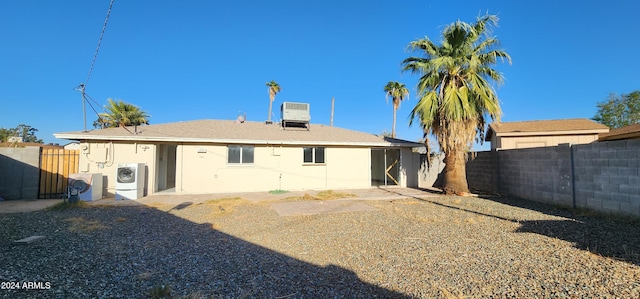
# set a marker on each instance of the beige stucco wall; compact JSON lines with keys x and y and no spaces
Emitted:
{"x":203,"y":168}
{"x":274,"y":168}
{"x":104,"y":157}
{"x":509,"y":142}
{"x":410,"y":167}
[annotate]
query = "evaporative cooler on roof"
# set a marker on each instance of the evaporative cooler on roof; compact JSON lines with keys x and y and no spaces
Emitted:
{"x":295,"y":115}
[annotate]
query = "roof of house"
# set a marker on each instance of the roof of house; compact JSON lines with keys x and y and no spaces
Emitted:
{"x":626,"y":132}
{"x":546,"y":127}
{"x":232,"y":132}
{"x":25,"y":144}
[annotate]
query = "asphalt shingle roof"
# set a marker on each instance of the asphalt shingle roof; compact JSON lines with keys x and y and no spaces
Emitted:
{"x":228,"y":131}
{"x":548,"y":125}
{"x":631,"y":131}
{"x":545,"y":127}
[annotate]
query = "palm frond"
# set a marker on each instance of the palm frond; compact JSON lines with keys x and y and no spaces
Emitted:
{"x":454,"y":89}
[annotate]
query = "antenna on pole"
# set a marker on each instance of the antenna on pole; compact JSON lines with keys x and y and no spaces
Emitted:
{"x":80,"y":88}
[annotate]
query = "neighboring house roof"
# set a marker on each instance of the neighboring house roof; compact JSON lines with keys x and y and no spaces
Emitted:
{"x":25,"y":144}
{"x":232,"y":132}
{"x":546,"y":127}
{"x":627,"y":132}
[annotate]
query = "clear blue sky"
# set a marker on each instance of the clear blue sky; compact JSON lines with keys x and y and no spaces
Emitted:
{"x":189,"y":60}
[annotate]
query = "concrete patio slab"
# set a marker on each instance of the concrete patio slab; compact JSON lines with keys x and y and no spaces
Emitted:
{"x":319,"y":207}
{"x":25,"y":205}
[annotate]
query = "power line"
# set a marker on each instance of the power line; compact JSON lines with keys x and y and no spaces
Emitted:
{"x":81,"y":87}
{"x":90,"y":98}
{"x":93,"y":108}
{"x":95,"y":56}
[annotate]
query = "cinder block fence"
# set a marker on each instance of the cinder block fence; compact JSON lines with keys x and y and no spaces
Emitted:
{"x":603,"y":176}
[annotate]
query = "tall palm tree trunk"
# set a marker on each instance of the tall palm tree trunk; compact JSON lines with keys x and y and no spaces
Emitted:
{"x":393,"y":128}
{"x":271,"y":98}
{"x":455,"y":174}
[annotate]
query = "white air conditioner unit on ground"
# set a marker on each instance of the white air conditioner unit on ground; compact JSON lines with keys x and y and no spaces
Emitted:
{"x":295,"y":114}
{"x":86,"y":186}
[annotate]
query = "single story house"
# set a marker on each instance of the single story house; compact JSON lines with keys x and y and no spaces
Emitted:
{"x":624,"y":133}
{"x":541,"y":133}
{"x":222,"y":156}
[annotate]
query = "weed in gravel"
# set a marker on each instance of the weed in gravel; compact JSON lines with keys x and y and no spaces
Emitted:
{"x":66,"y":206}
{"x":451,"y":294}
{"x":224,"y":206}
{"x":159,"y":206}
{"x":303,"y":218}
{"x":407,"y":202}
{"x":79,"y":224}
{"x":221,"y":200}
{"x":278,"y":191}
{"x":160,"y":291}
{"x":322,"y":195}
{"x":330,"y":194}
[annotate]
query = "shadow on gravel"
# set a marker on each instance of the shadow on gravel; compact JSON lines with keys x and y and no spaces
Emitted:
{"x":616,"y":237}
{"x":124,"y":251}
{"x":448,"y":206}
{"x":611,"y":236}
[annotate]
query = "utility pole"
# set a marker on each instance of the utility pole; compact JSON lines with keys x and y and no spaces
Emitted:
{"x":333,"y":101}
{"x":80,"y":88}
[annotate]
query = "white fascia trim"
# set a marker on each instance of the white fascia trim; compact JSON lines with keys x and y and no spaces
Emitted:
{"x":230,"y":141}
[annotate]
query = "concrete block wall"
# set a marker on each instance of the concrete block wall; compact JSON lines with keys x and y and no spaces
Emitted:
{"x":430,"y":170}
{"x":482,"y":172}
{"x":607,"y":176}
{"x":542,"y":174}
{"x":603,"y":176}
{"x":19,"y":172}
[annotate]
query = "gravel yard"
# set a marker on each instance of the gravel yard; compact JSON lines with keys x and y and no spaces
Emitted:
{"x":442,"y":247}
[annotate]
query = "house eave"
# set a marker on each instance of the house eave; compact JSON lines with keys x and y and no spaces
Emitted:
{"x":550,"y":133}
{"x":632,"y":135}
{"x":137,"y":138}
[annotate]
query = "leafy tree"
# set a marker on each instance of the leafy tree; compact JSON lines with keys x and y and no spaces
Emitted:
{"x":27,"y":133}
{"x":273,"y":88}
{"x":619,"y":111}
{"x":397,"y":91}
{"x":455,"y":95}
{"x":121,"y":114}
{"x":5,"y":134}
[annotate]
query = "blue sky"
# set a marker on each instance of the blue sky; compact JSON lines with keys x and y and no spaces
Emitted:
{"x":188,"y":60}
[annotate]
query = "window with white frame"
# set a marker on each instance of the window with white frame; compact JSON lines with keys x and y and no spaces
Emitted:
{"x":240,"y":154}
{"x":313,"y":155}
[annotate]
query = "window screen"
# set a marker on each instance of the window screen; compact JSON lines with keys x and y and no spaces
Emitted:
{"x":240,"y":154}
{"x":308,"y":155}
{"x":313,"y":155}
{"x":319,"y":155}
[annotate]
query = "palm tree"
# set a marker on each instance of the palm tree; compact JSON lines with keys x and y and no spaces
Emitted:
{"x":397,"y":91}
{"x":274,"y":88}
{"x":455,"y":95}
{"x":121,"y":114}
